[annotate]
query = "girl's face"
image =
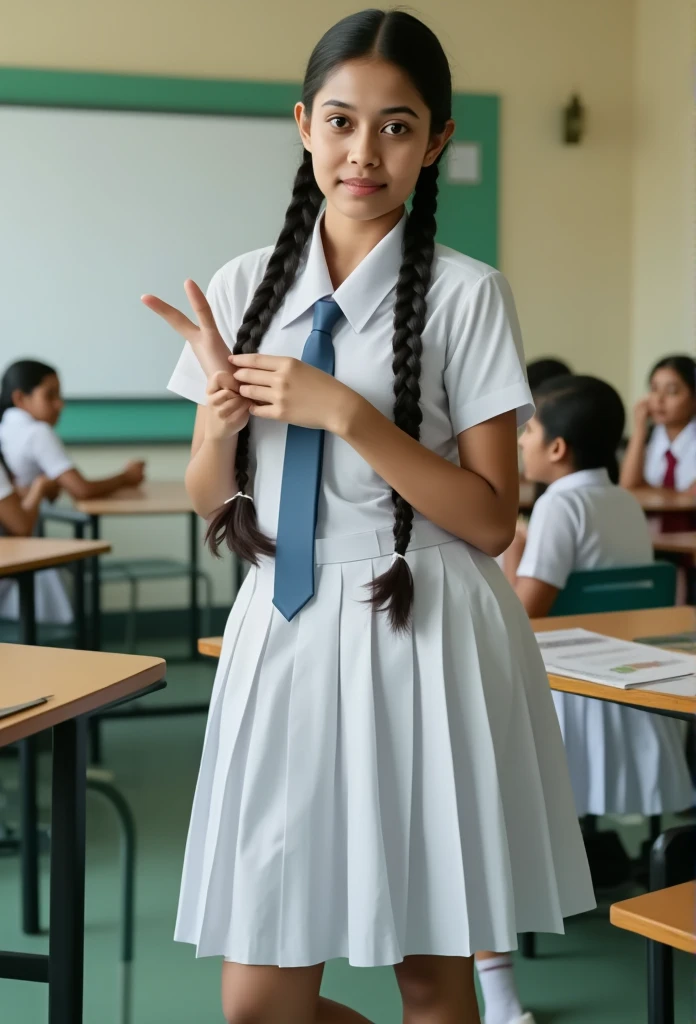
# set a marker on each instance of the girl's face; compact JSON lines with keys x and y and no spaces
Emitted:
{"x":670,"y":401}
{"x":369,"y":136}
{"x":540,"y":457}
{"x":44,"y":403}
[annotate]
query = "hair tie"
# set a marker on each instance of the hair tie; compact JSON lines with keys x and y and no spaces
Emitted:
{"x":397,"y":555}
{"x":239,"y":494}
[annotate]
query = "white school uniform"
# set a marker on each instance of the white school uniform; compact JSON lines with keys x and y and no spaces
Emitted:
{"x":31,"y":448}
{"x":364,"y":794}
{"x":683,"y":447}
{"x":622,"y":761}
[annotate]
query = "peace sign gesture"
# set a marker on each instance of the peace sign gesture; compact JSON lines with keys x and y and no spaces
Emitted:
{"x":206,"y":341}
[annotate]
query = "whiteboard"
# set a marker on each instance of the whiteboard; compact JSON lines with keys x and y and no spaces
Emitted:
{"x":98,"y":207}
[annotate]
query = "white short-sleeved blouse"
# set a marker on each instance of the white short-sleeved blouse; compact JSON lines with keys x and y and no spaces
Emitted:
{"x":683,"y":447}
{"x":31,"y":448}
{"x":472,"y":366}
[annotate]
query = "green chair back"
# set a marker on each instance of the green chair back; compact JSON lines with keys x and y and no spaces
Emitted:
{"x":618,"y":590}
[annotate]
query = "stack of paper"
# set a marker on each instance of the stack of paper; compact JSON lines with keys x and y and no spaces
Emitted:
{"x":580,"y":654}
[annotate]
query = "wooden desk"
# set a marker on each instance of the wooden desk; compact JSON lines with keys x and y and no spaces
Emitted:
{"x":23,"y":557}
{"x":154,"y":498}
{"x":676,"y":543}
{"x":81,"y":682}
{"x":667,"y":916}
{"x":655,"y":499}
{"x":677,"y":696}
{"x":667,"y":919}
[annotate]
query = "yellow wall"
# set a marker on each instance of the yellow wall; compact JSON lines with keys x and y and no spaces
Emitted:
{"x":565,"y":211}
{"x":663,"y":318}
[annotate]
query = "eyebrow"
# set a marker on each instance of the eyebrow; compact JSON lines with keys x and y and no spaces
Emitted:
{"x":384,"y":112}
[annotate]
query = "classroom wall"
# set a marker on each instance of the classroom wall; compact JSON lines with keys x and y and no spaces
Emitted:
{"x":664,"y":186}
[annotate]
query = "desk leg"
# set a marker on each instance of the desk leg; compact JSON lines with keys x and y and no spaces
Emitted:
{"x":80,"y":612}
{"x":660,"y":984}
{"x":66,"y":940}
{"x":194,"y":614}
{"x":96,"y":591}
{"x":29,"y":827}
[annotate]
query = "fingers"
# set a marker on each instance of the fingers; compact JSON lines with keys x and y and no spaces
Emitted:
{"x":218,"y":398}
{"x":200,"y":305}
{"x":256,"y":393}
{"x":171,"y":315}
{"x":221,"y":380}
{"x":254,"y":376}
{"x":260,"y":362}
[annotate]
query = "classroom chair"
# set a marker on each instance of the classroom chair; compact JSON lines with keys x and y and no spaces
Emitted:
{"x":666,"y":916}
{"x":622,"y":589}
{"x":133,"y":572}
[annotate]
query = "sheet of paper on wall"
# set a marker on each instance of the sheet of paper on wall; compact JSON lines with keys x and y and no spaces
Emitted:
{"x":581,"y":654}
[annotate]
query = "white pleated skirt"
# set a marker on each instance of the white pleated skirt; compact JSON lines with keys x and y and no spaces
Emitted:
{"x":370,"y":795}
{"x":621,"y":760}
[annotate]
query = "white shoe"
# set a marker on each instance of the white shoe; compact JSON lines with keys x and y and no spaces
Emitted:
{"x":526,"y":1018}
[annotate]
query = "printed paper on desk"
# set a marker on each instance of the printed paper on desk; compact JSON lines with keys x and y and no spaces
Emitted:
{"x":580,"y":654}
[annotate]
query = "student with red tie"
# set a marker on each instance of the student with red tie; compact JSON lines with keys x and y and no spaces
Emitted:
{"x":665,"y":457}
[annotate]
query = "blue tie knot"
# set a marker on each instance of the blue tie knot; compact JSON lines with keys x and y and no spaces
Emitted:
{"x":327,"y":313}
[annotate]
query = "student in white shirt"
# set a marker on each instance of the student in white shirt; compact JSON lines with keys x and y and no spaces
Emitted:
{"x":30,"y":407}
{"x":621,"y":760}
{"x":667,"y":456}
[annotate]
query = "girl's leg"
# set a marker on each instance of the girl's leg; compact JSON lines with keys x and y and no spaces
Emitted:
{"x":497,"y":978}
{"x":438,"y":990}
{"x":279,"y":995}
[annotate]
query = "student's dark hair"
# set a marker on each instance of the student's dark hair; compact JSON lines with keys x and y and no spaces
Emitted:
{"x":24,"y":376}
{"x":590,"y":417}
{"x":684,"y":366}
{"x":406,"y":42}
{"x":541,"y":370}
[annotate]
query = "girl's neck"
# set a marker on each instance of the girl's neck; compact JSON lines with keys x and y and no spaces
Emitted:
{"x":673,"y":432}
{"x":347,"y":242}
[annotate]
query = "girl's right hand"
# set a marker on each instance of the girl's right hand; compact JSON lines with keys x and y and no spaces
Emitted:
{"x":206,"y":341}
{"x":641,"y":414}
{"x":227,"y":412}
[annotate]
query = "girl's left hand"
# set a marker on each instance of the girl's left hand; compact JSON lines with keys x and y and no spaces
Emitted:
{"x":288,"y":390}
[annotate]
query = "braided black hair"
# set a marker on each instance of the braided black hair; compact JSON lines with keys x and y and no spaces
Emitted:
{"x":406,"y":42}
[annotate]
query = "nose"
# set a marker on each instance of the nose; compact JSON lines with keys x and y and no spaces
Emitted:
{"x":364,"y":151}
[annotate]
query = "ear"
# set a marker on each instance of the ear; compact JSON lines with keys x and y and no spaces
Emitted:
{"x":558,"y":450}
{"x":437,"y":144}
{"x":302,"y":120}
{"x":18,"y":398}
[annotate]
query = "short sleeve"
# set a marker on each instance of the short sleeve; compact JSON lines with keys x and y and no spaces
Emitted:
{"x":6,"y":488}
{"x":188,"y":378}
{"x":549,"y":553}
{"x":48,"y":452}
{"x":485,"y":372}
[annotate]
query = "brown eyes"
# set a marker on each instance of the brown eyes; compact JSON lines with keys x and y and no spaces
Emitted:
{"x":339,"y":122}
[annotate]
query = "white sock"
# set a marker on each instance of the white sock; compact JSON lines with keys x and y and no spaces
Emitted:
{"x":497,"y":979}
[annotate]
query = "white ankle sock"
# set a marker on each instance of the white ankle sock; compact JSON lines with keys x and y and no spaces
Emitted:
{"x":497,"y":979}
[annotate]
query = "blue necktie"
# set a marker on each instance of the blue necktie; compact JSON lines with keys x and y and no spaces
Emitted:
{"x":299,"y":494}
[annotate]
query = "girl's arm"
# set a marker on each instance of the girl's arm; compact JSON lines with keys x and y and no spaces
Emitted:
{"x":632,"y":467}
{"x":210,"y":479}
{"x":81,"y":489}
{"x":18,"y":514}
{"x":477,"y":500}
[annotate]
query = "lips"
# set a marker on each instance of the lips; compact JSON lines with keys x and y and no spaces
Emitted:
{"x":362,"y":186}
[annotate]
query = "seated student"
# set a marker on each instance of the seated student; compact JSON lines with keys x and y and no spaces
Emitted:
{"x":621,"y":760}
{"x":541,"y":370}
{"x":30,"y":407}
{"x":18,"y":514}
{"x":667,"y":456}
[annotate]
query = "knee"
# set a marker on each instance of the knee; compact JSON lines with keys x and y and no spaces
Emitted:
{"x":236,"y":1009}
{"x":419,"y":986}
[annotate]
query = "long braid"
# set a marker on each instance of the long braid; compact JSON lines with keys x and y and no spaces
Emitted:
{"x":393,"y":590}
{"x":235,"y":523}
